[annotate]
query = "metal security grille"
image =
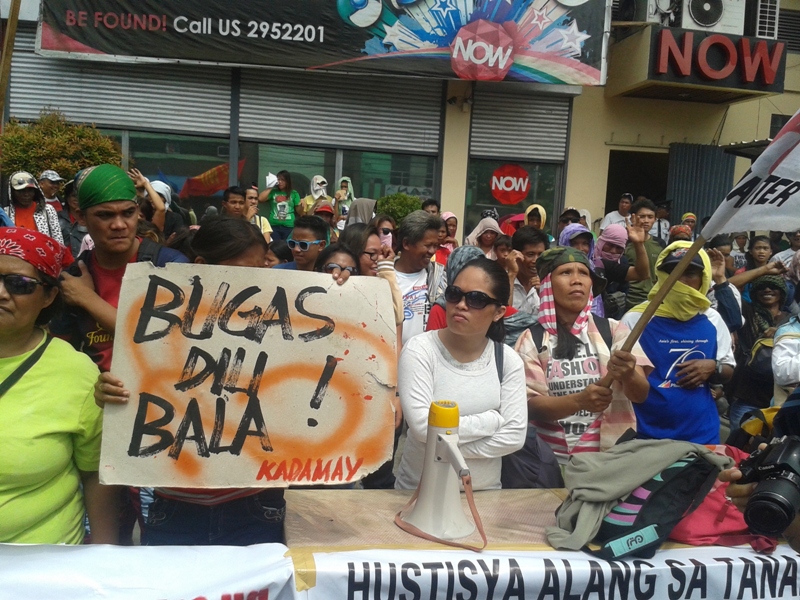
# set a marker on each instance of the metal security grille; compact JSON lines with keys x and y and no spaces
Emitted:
{"x":345,"y":111}
{"x":176,"y":98}
{"x":508,"y":123}
{"x":700,"y":176}
{"x":789,"y":29}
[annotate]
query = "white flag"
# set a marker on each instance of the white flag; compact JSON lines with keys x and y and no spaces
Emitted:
{"x":768,"y":196}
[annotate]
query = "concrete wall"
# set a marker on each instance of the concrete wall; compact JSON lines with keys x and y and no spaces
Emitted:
{"x":455,"y":151}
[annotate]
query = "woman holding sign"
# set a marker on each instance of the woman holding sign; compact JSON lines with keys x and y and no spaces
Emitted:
{"x":50,"y":447}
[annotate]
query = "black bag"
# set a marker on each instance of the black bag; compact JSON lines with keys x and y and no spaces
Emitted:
{"x":760,"y":361}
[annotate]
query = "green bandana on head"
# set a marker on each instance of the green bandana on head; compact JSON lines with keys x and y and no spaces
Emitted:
{"x":553,"y":258}
{"x":101,"y":184}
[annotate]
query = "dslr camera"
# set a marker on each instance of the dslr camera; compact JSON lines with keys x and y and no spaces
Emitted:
{"x":776,"y":498}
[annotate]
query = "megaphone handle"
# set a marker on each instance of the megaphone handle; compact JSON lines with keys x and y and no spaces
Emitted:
{"x":466,"y":481}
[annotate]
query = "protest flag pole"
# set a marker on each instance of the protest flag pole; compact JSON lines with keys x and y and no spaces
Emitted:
{"x":656,"y":301}
{"x":8,"y":50}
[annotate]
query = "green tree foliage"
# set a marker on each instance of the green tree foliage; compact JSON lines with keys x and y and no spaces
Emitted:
{"x":398,"y":206}
{"x":52,"y":142}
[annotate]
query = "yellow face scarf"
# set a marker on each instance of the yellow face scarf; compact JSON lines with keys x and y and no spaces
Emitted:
{"x":682,"y":302}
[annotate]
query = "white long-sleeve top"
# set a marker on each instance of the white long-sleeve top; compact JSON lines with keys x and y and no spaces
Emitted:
{"x":493,"y":417}
{"x":786,"y":354}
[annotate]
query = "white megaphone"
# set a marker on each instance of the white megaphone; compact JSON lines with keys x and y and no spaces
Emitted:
{"x":438,"y":510}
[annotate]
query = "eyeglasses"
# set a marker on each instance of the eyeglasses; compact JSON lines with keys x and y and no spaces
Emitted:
{"x":373,"y":256}
{"x":303,"y":245}
{"x":331,"y":266}
{"x":476,"y":300}
{"x":20,"y":285}
{"x":386,"y":230}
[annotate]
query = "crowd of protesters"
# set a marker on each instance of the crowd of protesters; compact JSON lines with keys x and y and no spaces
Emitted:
{"x":516,"y":325}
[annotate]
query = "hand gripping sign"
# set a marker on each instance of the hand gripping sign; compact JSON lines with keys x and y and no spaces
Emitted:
{"x":244,"y":377}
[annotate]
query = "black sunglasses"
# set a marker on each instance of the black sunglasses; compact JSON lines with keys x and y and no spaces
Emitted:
{"x":330,"y":267}
{"x":569,"y":220}
{"x":386,"y":230}
{"x":20,"y":285}
{"x":476,"y":300}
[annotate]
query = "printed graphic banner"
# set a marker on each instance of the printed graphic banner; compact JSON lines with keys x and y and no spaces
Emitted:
{"x":249,"y":378}
{"x":546,"y":41}
{"x":768,"y":196}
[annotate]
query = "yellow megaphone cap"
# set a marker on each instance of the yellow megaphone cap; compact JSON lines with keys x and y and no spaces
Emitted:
{"x":443,"y":413}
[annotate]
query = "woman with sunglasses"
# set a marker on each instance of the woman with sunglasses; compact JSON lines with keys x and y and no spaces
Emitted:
{"x":50,"y":447}
{"x":568,"y":356}
{"x":335,"y":260}
{"x":386,"y":226}
{"x":460,"y":363}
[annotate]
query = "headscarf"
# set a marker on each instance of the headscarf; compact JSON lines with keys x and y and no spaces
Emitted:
{"x":490,"y":213}
{"x":548,"y":262}
{"x":351,"y":195}
{"x":449,"y":215}
{"x":586,"y":215}
{"x":486,"y":224}
{"x":37,"y":249}
{"x":689,"y":215}
{"x":572,"y":230}
{"x":103,"y":183}
{"x":318,"y":190}
{"x":361,"y":211}
{"x":762,"y":318}
{"x":682,"y":302}
{"x":794,"y":269}
{"x":615,"y":235}
{"x":542,"y":213}
{"x":676,"y":229}
{"x":164,"y":190}
{"x":455,"y":264}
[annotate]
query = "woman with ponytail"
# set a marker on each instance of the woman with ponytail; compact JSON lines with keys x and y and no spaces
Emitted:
{"x":568,"y":355}
{"x":468,"y":363}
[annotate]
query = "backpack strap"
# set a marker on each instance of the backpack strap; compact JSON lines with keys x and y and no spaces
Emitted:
{"x":498,"y":360}
{"x":604,"y":329}
{"x":537,"y":333}
{"x":148,"y":251}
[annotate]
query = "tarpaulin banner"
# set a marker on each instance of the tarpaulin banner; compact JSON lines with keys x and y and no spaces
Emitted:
{"x":260,"y":572}
{"x":768,"y":196}
{"x":712,"y":572}
{"x":244,"y":377}
{"x":547,"y":41}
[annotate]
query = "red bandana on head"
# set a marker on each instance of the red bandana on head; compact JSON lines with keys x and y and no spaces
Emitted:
{"x":37,"y":249}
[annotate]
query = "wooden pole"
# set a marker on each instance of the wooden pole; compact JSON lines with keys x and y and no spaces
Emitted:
{"x":656,"y":301}
{"x":8,"y":51}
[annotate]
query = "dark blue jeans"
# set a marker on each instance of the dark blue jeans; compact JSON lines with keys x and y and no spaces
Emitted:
{"x":256,"y":519}
{"x":280,"y":232}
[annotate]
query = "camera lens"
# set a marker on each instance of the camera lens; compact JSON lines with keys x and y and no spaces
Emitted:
{"x":773,"y":505}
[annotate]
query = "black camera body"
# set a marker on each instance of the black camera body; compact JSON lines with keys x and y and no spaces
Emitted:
{"x":776,"y":499}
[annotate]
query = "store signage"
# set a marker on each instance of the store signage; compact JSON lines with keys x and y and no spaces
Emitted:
{"x":510,"y":184}
{"x":559,"y":41}
{"x":241,"y":380}
{"x":715,"y":59}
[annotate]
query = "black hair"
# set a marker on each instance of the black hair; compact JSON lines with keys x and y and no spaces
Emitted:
{"x":287,"y":177}
{"x":502,"y":240}
{"x":223,"y":238}
{"x":526,"y":236}
{"x":355,"y":236}
{"x":719,"y":241}
{"x":234,"y":190}
{"x":751,"y":263}
{"x":182,"y":241}
{"x":329,"y":251}
{"x":281,"y":250}
{"x":148,"y":230}
{"x":430,"y":202}
{"x":500,"y":289}
{"x":49,"y":313}
{"x":643,"y":203}
{"x":314,"y":224}
{"x":378,"y":219}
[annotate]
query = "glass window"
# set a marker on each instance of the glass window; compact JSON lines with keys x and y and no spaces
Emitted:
{"x":524,"y":184}
{"x":177,"y":158}
{"x":375,"y":174}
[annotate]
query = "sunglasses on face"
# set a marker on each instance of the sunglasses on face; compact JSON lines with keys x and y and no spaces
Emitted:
{"x":386,"y":230}
{"x":331,"y":266}
{"x":20,"y":285}
{"x":566,"y":220}
{"x":303,"y":245}
{"x":476,"y":300}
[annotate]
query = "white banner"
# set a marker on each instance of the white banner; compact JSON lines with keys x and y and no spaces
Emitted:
{"x":768,"y":196}
{"x":693,"y":573}
{"x":258,"y":572}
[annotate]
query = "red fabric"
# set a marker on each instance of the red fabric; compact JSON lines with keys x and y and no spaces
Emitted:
{"x":442,"y":254}
{"x":35,"y":248}
{"x":23,"y":217}
{"x":437,"y":317}
{"x":717,"y":522}
{"x":209,"y":183}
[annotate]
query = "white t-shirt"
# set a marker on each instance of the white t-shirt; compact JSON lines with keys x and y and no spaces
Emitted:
{"x":785,"y":257}
{"x":566,"y":377}
{"x":493,"y":417}
{"x":654,"y":231}
{"x":527,"y":302}
{"x":613,"y":218}
{"x":414,"y":289}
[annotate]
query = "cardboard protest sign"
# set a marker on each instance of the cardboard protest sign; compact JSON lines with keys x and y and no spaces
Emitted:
{"x":244,"y":377}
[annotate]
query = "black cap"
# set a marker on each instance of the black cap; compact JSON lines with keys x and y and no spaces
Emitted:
{"x":674,"y":257}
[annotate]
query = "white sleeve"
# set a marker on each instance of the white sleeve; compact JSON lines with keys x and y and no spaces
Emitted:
{"x":631,"y":318}
{"x":786,"y":359}
{"x":724,"y":342}
{"x":415,"y":383}
{"x":510,"y":435}
{"x":605,"y":222}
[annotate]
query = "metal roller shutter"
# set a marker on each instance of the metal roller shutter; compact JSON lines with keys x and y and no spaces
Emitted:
{"x":509,"y":123}
{"x":175,"y":98}
{"x":322,"y":109}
